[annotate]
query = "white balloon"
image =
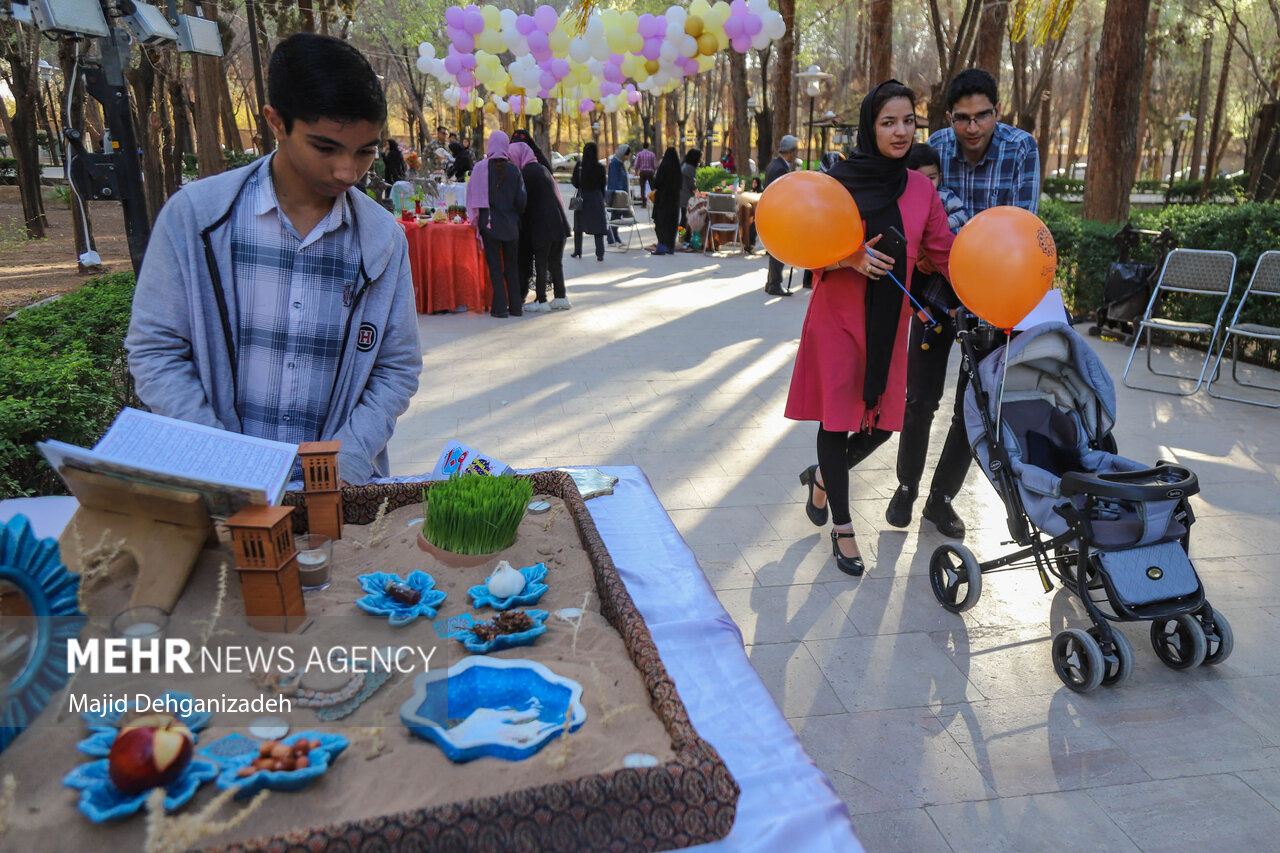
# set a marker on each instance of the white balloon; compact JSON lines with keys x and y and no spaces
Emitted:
{"x":508,"y":17}
{"x":775,"y":25}
{"x":595,"y":28}
{"x":427,"y":49}
{"x":600,"y":50}
{"x":678,"y":14}
{"x":760,"y":40}
{"x":668,"y":52}
{"x":674,"y":29}
{"x":758,"y":7}
{"x":579,"y":50}
{"x":424,"y":64}
{"x":595,"y":66}
{"x":688,"y":46}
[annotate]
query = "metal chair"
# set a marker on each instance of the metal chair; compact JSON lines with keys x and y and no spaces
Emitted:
{"x":1199,"y":271}
{"x":1264,"y":282}
{"x":719,"y":206}
{"x":620,"y":203}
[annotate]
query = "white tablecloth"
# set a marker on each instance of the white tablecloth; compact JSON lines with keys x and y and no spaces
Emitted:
{"x":787,"y":804}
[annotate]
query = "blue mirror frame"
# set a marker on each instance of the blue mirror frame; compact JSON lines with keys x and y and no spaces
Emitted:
{"x":34,"y":566}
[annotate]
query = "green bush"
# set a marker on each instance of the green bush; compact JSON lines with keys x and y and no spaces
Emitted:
{"x":708,"y":177}
{"x":8,"y":167}
{"x":1058,"y":187}
{"x":238,"y":158}
{"x":63,"y":375}
{"x":190,"y":163}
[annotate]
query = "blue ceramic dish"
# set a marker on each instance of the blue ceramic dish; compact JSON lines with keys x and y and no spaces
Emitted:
{"x":505,"y":641}
{"x":533,"y":590}
{"x":101,"y":800}
{"x":496,"y":707}
{"x":378,"y":603}
{"x":321,"y":757}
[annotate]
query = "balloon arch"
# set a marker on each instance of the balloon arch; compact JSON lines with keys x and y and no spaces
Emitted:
{"x":603,"y":64}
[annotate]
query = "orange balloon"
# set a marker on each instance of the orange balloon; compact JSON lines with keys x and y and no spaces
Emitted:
{"x":1002,"y":264}
{"x":808,"y":220}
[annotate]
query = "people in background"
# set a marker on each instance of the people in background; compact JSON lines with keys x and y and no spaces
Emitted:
{"x":617,"y":191}
{"x":495,"y":201}
{"x":788,"y":148}
{"x":462,"y":163}
{"x":544,"y":227}
{"x":645,"y":166}
{"x":727,"y":161}
{"x":589,"y":179}
{"x":522,"y":135}
{"x":393,"y":162}
{"x":688,"y":182}
{"x":668,"y":185}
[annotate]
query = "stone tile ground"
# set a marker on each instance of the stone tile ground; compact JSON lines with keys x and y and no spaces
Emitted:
{"x":941,"y":732}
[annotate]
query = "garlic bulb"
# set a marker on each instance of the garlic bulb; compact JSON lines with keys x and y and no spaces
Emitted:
{"x":505,"y":581}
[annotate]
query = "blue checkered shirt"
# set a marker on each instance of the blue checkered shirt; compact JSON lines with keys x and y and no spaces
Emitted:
{"x":1009,"y":173}
{"x":293,"y":296}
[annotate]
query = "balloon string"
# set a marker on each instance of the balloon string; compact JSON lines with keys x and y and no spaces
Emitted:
{"x":932,"y":321}
{"x":1004,"y":377}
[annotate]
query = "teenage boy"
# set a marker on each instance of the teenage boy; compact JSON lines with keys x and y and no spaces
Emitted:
{"x":276,"y":301}
{"x":986,"y":163}
{"x":788,"y":147}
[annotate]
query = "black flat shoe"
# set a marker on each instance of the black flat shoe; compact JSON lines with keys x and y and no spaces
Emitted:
{"x":576,"y":255}
{"x":849,"y":565}
{"x":809,"y":477}
{"x":898,"y":514}
{"x":938,"y":510}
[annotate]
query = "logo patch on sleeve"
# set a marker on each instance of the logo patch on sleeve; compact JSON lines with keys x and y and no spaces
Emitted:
{"x":367,"y":337}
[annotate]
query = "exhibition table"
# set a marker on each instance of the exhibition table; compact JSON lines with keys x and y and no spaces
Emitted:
{"x":448,"y":265}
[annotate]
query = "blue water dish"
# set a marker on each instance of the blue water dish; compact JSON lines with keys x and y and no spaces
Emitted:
{"x":102,"y":801}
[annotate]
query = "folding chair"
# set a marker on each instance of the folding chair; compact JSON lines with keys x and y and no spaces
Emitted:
{"x":719,"y":206}
{"x":620,"y":203}
{"x":1199,"y":271}
{"x":1265,"y":282}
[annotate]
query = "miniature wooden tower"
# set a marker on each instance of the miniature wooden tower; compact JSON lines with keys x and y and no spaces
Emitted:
{"x":268,"y":566}
{"x":320,"y":487}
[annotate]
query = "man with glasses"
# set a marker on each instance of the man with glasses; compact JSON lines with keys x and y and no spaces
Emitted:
{"x":986,"y":163}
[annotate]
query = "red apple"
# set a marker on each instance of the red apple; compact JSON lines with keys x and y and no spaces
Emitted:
{"x":149,"y":752}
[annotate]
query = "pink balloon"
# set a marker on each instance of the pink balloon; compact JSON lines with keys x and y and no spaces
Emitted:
{"x":753,"y":25}
{"x":607,"y":88}
{"x":453,"y":62}
{"x":453,"y":16}
{"x":472,"y":20}
{"x":631,"y":87}
{"x":633,"y":97}
{"x":546,"y":79}
{"x":544,"y":93}
{"x":514,"y":101}
{"x":465,"y":43}
{"x":466,"y":78}
{"x":538,"y":42}
{"x":469,"y":62}
{"x":546,"y":18}
{"x":525,"y":25}
{"x":733,"y":26}
{"x":738,"y":7}
{"x":652,"y":49}
{"x":613,"y":74}
{"x":560,"y":68}
{"x":742,"y":44}
{"x":650,"y":26}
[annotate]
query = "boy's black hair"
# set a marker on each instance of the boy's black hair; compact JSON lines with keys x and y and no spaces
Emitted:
{"x":311,"y":77}
{"x":441,"y":127}
{"x":972,"y":81}
{"x":923,"y":154}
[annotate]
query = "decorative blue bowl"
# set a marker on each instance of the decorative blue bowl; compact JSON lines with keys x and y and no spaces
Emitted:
{"x":321,"y":757}
{"x":505,"y":641}
{"x":105,"y":726}
{"x":533,"y":590}
{"x":485,"y":706}
{"x":378,"y":603}
{"x":101,"y":800}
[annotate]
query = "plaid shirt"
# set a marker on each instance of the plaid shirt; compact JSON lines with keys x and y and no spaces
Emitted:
{"x":293,"y":296}
{"x":646,"y":161}
{"x":1009,"y":173}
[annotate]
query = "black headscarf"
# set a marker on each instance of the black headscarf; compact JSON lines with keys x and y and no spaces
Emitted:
{"x":876,"y":183}
{"x":667,"y":178}
{"x":590,"y":165}
{"x":522,"y":135}
{"x":462,"y":162}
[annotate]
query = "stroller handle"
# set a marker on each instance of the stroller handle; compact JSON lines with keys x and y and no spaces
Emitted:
{"x":1163,"y":482}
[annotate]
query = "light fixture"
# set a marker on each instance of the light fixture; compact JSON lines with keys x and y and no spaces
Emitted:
{"x":46,"y":71}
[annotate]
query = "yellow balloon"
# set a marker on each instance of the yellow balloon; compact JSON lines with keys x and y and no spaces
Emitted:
{"x":693,"y":25}
{"x":490,"y":108}
{"x":492,"y":17}
{"x":630,"y":22}
{"x":721,"y":8}
{"x":490,"y":41}
{"x":707,"y":44}
{"x":640,"y":74}
{"x":651,"y":66}
{"x":559,"y":43}
{"x":722,"y":40}
{"x":611,"y":18}
{"x":616,"y":39}
{"x":635,"y":42}
{"x":699,"y":7}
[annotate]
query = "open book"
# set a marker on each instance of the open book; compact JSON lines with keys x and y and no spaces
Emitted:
{"x":228,"y":469}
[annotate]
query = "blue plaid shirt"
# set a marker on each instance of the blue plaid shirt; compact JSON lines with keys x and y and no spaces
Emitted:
{"x":1009,"y":173}
{"x":293,"y":295}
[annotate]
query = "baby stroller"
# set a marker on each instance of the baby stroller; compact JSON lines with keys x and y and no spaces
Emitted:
{"x":1114,"y":531}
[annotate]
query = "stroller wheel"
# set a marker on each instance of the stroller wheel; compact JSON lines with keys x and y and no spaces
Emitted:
{"x":1179,"y":641}
{"x":1066,"y":559}
{"x":1219,"y":640}
{"x":955,"y":577}
{"x":1119,"y":664}
{"x":1078,"y":660}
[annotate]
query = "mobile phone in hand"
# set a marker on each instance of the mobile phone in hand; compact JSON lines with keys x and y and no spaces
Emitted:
{"x":892,"y":243}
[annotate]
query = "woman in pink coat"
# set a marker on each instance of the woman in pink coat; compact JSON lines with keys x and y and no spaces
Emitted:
{"x":851,"y":369}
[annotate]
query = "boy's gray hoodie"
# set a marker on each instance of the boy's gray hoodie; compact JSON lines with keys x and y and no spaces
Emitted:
{"x":184,"y":329}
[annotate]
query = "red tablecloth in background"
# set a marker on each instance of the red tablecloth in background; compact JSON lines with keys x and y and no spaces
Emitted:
{"x":448,"y":267}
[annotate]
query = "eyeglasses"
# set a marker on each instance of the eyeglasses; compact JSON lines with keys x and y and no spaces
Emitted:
{"x":962,"y":120}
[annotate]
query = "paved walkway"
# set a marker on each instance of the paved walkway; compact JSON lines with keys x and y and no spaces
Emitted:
{"x":941,"y":732}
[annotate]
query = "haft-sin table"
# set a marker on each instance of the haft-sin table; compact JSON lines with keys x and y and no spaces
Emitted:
{"x":449,"y":270}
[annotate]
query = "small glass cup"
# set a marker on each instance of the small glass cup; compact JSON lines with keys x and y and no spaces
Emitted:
{"x":315,"y":559}
{"x":140,"y":623}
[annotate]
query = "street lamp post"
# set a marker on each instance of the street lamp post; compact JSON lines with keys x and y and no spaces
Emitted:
{"x":813,"y":79}
{"x":1183,"y":121}
{"x":50,"y":110}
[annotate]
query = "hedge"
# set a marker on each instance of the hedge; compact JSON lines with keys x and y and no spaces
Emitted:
{"x":709,"y":177}
{"x":63,"y":375}
{"x":1086,"y":250}
{"x":1182,"y":192}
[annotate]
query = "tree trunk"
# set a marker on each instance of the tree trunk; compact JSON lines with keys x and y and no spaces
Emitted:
{"x":784,"y":81}
{"x":880,"y":41}
{"x":306,"y":8}
{"x":1113,"y":126}
{"x":1077,"y":111}
{"x":1202,"y":106}
{"x":81,"y":222}
{"x":991,"y":36}
{"x":142,"y":80}
{"x":21,"y":52}
{"x":181,"y":123}
{"x":230,"y":129}
{"x":741,"y":118}
{"x":264,"y":141}
{"x":1216,"y":143}
{"x":1264,"y":156}
{"x":1148,"y":62}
